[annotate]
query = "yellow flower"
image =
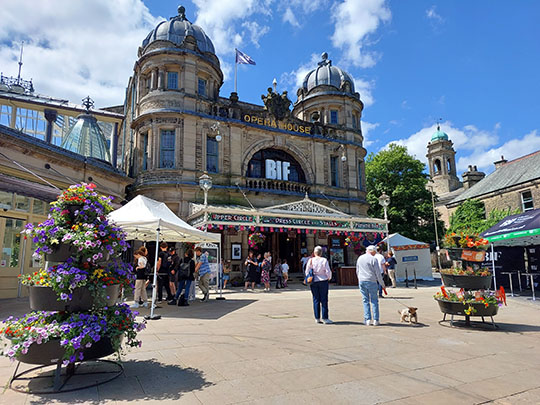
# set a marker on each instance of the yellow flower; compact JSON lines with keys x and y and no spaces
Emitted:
{"x":98,"y":273}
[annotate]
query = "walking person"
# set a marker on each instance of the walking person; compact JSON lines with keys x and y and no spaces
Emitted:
{"x":319,"y":286}
{"x":252,"y":267}
{"x":174,"y":261}
{"x":381,"y":260}
{"x":186,"y":276}
{"x":266,"y":267}
{"x":284,"y":272}
{"x":140,"y":282}
{"x":203,"y":269}
{"x":391,"y":268}
{"x":226,"y":273}
{"x":278,"y":272}
{"x":163,"y":272}
{"x":368,"y":272}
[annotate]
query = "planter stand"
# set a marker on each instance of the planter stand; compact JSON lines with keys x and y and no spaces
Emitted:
{"x":467,"y":321}
{"x":108,"y":369}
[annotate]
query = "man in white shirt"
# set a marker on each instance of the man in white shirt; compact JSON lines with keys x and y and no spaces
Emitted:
{"x":382,"y":263}
{"x":368,"y":271}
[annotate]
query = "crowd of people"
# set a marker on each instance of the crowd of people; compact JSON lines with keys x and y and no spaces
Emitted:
{"x":177,"y":276}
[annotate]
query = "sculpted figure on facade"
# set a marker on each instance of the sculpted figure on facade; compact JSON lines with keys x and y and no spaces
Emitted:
{"x":277,"y":105}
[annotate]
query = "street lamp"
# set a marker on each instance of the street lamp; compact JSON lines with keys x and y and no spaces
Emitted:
{"x":205,"y":183}
{"x":384,"y":201}
{"x":430,"y":186}
{"x":215,"y":128}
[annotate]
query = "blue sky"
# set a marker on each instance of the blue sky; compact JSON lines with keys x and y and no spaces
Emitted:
{"x":472,"y":63}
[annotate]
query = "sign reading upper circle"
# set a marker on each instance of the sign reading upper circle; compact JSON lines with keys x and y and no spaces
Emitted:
{"x":271,"y":122}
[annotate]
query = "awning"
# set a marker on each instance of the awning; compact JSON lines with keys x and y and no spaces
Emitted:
{"x":28,"y":188}
{"x":300,"y":216}
{"x":516,"y":230}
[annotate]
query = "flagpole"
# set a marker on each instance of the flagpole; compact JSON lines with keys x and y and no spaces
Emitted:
{"x":235,"y":71}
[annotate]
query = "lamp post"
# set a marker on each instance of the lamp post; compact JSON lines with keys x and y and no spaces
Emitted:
{"x":205,"y":183}
{"x":215,"y":128}
{"x":430,"y":186}
{"x":384,"y":201}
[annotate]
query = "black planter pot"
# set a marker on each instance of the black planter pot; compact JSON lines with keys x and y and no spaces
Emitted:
{"x":51,"y":352}
{"x":458,"y":308}
{"x":455,"y":253}
{"x":467,"y":282}
{"x":60,"y":253}
{"x":72,"y":209}
{"x":45,"y":299}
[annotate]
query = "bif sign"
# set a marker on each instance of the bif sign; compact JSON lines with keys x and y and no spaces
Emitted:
{"x":276,"y":170}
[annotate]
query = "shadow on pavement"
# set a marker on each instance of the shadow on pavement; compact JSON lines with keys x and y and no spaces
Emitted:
{"x":405,"y":325}
{"x":213,"y":309}
{"x":142,"y":380}
{"x":348,"y":323}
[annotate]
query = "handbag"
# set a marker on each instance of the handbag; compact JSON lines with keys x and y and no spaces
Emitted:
{"x":309,"y":276}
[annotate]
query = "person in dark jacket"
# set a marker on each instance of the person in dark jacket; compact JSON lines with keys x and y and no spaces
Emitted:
{"x":186,"y":275}
{"x":174,"y":261}
{"x":163,"y":272}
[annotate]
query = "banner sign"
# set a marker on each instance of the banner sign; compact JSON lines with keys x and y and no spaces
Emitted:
{"x":271,"y":122}
{"x":232,"y":218}
{"x":473,"y":255}
{"x":369,"y":225}
{"x":304,"y":222}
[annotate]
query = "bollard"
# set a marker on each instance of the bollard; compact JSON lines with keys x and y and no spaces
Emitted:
{"x":406,"y":278}
{"x":415,"y":286}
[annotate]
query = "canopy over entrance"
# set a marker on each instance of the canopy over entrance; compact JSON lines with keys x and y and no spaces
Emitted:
{"x":142,"y":216}
{"x":516,"y":230}
{"x":300,"y":216}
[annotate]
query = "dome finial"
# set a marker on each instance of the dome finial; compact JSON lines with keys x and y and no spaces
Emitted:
{"x":325,"y":61}
{"x":88,"y":103}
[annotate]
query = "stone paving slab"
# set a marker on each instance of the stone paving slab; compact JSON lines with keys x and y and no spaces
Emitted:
{"x":265,"y":348}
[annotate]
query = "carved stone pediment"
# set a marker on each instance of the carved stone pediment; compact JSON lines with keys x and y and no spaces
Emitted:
{"x":305,"y":206}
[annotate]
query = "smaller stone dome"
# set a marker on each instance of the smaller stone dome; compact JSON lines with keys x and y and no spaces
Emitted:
{"x":328,"y":75}
{"x":176,"y":30}
{"x":439,"y":135}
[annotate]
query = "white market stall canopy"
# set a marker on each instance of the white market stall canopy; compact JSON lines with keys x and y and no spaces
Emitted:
{"x":411,"y":255}
{"x":142,"y":216}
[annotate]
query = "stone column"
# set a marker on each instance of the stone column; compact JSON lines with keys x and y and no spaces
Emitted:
{"x":310,"y":242}
{"x":161,"y":79}
{"x":50,"y":116}
{"x":114,"y":145}
{"x":153,"y":79}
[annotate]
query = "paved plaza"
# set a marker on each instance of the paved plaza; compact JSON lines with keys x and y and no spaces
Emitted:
{"x":265,"y":348}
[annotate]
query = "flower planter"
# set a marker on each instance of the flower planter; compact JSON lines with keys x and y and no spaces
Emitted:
{"x":458,"y":308}
{"x":454,"y":253}
{"x":467,"y":282}
{"x":72,"y":208}
{"x":51,"y":352}
{"x":60,"y":253}
{"x":45,"y":299}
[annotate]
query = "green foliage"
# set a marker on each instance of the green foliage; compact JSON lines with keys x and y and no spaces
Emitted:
{"x":402,"y":177}
{"x":470,"y":217}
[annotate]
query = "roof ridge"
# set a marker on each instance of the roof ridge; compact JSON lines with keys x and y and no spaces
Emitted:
{"x":522,"y":157}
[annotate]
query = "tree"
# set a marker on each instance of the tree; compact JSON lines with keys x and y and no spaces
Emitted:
{"x":470,"y":217}
{"x":402,"y":177}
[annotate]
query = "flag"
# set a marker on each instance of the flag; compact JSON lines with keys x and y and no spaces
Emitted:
{"x":243,"y":59}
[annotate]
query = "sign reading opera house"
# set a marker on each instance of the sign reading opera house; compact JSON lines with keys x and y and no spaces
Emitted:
{"x":259,"y":157}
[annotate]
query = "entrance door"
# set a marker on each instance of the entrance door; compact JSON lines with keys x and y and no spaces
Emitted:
{"x":288,"y":249}
{"x":10,"y":256}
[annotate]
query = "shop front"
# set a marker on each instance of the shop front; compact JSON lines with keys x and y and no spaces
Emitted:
{"x":288,"y":231}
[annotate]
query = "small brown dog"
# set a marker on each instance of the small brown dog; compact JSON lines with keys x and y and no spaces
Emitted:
{"x":409,"y":314}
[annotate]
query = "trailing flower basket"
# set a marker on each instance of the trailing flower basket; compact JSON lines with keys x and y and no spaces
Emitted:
{"x":458,"y":308}
{"x":467,"y":282}
{"x":72,"y":209}
{"x":454,"y":253}
{"x":45,"y":299}
{"x":52,"y":352}
{"x":60,"y":253}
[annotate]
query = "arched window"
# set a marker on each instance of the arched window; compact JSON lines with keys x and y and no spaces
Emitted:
{"x":449,"y":166}
{"x":275,"y":164}
{"x":436,"y":166}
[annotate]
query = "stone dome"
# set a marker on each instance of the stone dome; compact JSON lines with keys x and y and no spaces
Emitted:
{"x":439,"y":135}
{"x":176,"y":30}
{"x":327,"y":75}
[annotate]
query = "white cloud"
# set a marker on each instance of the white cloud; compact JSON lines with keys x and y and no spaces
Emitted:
{"x":255,"y":31}
{"x":367,"y":127}
{"x":473,"y":146}
{"x":74,"y":49}
{"x":354,"y":21}
{"x":365,"y":88}
{"x":290,"y":17}
{"x":431,"y":14}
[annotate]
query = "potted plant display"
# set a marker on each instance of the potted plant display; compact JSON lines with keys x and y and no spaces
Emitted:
{"x":468,"y":278}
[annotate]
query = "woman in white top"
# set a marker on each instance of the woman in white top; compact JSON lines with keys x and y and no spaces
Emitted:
{"x":319,"y":287}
